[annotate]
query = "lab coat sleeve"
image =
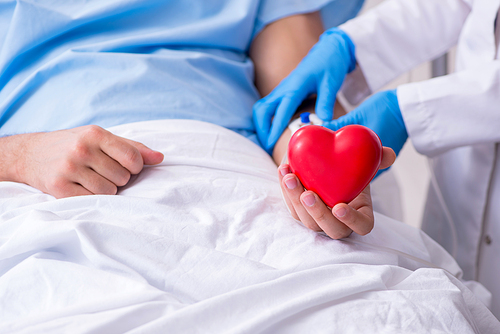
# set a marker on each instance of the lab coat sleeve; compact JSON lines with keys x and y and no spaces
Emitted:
{"x":455,"y":110}
{"x":398,"y":35}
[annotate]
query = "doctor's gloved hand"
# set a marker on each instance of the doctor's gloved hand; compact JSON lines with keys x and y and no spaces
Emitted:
{"x":382,"y":114}
{"x":321,"y":72}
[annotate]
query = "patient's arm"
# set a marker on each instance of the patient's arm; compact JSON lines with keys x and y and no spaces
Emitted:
{"x":280,"y":46}
{"x":80,"y":161}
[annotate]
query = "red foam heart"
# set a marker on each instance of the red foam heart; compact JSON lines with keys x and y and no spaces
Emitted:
{"x":336,"y":165}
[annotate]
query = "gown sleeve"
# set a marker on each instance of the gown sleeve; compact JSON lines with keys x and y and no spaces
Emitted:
{"x":335,"y":11}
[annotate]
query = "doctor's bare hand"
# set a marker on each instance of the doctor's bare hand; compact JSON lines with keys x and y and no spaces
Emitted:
{"x":338,"y":222}
{"x":81,"y":161}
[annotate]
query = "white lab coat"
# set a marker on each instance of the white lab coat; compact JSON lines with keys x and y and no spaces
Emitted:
{"x":454,"y":119}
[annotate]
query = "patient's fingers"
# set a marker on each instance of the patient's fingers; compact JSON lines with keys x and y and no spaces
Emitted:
{"x":282,"y":171}
{"x":125,"y":154}
{"x":358,"y":215}
{"x":128,"y":153}
{"x":92,"y":137}
{"x":69,"y":189}
{"x":95,"y":183}
{"x":109,"y":168}
{"x":323,"y":217}
{"x":293,"y":188}
{"x":149,"y":156}
{"x":337,"y":223}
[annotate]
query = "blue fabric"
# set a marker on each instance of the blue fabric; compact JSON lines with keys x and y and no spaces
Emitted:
{"x":339,"y":11}
{"x":67,"y":63}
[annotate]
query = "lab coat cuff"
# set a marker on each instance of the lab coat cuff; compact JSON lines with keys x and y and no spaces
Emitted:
{"x":417,"y":118}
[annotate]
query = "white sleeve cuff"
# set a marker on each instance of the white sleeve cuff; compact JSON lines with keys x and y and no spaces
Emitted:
{"x":417,"y":119}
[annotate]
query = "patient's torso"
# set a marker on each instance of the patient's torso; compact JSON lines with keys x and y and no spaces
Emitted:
{"x":108,"y":62}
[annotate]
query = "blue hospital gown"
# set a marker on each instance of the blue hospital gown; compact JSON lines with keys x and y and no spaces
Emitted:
{"x":108,"y":62}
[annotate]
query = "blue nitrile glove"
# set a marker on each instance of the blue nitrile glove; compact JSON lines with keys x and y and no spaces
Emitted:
{"x":322,"y":72}
{"x":380,"y":113}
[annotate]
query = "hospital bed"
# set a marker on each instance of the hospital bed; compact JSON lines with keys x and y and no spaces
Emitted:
{"x":203,"y":243}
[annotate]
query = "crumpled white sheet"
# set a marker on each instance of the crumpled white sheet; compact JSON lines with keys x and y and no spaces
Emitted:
{"x":203,"y":243}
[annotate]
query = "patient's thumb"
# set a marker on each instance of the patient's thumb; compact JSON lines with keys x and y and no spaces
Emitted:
{"x":388,"y":157}
{"x":149,"y":156}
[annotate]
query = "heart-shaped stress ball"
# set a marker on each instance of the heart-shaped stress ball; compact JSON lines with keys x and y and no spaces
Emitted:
{"x":336,"y":165}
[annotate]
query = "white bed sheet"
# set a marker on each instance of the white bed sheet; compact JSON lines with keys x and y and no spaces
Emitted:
{"x":203,"y":243}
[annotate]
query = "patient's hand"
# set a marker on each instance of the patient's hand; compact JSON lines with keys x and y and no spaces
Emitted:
{"x":342,"y":219}
{"x":81,"y":161}
{"x":307,"y":207}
